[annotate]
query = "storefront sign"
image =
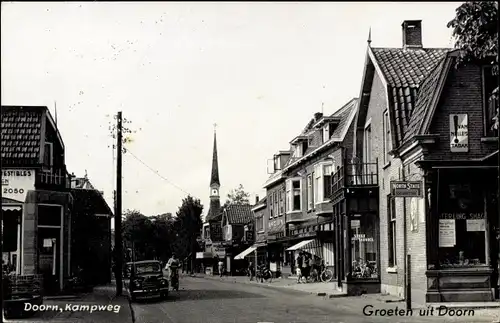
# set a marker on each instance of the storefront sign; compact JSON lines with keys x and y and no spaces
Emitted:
{"x":476,"y":225}
{"x":17,"y":182}
{"x":361,"y":237}
{"x":406,"y":189}
{"x":447,"y":235}
{"x":275,"y":224}
{"x":355,"y":224}
{"x":463,"y":216}
{"x":459,"y":133}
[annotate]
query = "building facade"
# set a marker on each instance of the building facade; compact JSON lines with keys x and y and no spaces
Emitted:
{"x":433,"y":210}
{"x":299,"y":210}
{"x":36,"y":202}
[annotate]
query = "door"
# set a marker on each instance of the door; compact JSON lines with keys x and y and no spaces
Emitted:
{"x":49,"y":258}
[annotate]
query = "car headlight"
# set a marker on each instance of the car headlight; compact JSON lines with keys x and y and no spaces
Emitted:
{"x":136,"y":283}
{"x":163,"y":282}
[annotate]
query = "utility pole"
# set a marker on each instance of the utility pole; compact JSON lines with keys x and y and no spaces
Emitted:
{"x":118,"y":213}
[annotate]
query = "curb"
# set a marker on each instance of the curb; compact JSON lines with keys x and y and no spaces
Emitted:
{"x":321,"y":294}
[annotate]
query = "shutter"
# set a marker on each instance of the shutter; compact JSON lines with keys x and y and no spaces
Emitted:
{"x":320,"y":182}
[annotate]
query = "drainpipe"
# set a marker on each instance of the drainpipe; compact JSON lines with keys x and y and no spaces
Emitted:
{"x":407,"y":278}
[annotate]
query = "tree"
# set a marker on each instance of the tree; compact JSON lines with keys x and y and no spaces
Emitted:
{"x":137,"y":230}
{"x":187,"y":227}
{"x":475,"y":29}
{"x":238,"y":196}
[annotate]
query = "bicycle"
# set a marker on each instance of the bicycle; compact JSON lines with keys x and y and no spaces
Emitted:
{"x":326,"y":275}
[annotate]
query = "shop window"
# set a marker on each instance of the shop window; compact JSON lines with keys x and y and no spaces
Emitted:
{"x":49,"y":215}
{"x":364,"y":242}
{"x":462,"y":222}
{"x":10,"y":222}
{"x":391,"y":231}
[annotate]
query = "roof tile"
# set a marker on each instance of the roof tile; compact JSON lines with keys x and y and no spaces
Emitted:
{"x":405,"y":70}
{"x":21,"y":133}
{"x":239,"y":214}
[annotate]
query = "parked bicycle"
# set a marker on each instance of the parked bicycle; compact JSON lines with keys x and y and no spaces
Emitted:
{"x":320,"y":274}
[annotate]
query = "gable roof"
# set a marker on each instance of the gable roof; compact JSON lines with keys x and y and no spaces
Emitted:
{"x":21,"y":134}
{"x":430,"y":87}
{"x":404,"y":71}
{"x":239,"y":214}
{"x":346,"y":115}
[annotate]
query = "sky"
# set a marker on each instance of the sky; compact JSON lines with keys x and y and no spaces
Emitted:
{"x":259,"y":70}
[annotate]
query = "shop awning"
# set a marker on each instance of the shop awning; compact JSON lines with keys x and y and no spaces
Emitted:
{"x":245,"y":253}
{"x":204,"y":255}
{"x":300,"y":245}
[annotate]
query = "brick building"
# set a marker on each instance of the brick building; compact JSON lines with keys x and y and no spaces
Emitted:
{"x":298,"y":190}
{"x":36,"y":202}
{"x":436,"y":135}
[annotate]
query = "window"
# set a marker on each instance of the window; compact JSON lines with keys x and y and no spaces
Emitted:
{"x":48,"y":157}
{"x":282,"y":203}
{"x":364,"y":250}
{"x":368,"y":144}
{"x":305,"y":145}
{"x":310,"y":201}
{"x":326,"y":133}
{"x":259,"y":224}
{"x":294,"y":194}
{"x":490,"y":82}
{"x":387,"y":137}
{"x":270,"y":205}
{"x":462,"y":226}
{"x":322,"y":178}
{"x":297,"y":151}
{"x":276,"y":203}
{"x":327,"y":181}
{"x":391,"y":230}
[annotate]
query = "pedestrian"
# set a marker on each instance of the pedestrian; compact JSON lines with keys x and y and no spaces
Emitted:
{"x":300,"y":262}
{"x":221,"y":267}
{"x":307,"y":266}
{"x":250,"y":270}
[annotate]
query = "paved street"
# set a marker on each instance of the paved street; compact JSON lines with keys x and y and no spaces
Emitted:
{"x":212,"y":301}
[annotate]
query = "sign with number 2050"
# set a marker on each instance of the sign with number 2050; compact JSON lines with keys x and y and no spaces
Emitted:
{"x":16,"y":183}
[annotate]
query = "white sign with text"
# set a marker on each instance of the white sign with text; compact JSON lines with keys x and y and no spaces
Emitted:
{"x":459,"y":133}
{"x":17,"y":182}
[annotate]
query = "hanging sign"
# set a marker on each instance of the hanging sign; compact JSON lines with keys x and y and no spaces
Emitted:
{"x":447,"y":235}
{"x":459,"y":133}
{"x":406,"y":188}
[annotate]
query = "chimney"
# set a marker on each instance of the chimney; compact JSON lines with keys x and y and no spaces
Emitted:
{"x":318,"y":116}
{"x":256,"y":199}
{"x":412,"y":34}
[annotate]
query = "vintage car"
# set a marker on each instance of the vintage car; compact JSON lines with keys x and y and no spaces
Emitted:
{"x":147,"y":280}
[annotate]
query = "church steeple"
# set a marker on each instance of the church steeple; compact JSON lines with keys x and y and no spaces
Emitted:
{"x":214,"y":210}
{"x":214,"y":179}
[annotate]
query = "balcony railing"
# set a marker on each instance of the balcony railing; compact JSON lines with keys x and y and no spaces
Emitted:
{"x":355,"y":175}
{"x":52,"y":178}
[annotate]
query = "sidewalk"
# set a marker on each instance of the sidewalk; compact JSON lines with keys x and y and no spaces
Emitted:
{"x":100,"y":306}
{"x":320,"y":289}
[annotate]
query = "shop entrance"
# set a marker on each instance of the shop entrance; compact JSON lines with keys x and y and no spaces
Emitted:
{"x":11,"y":236}
{"x":50,"y":248}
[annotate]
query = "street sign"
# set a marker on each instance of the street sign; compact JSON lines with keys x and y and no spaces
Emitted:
{"x":406,"y":188}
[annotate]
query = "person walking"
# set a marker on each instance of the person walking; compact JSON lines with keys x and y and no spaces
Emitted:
{"x":307,"y":266}
{"x":300,"y":263}
{"x":221,"y":267}
{"x":251,"y":270}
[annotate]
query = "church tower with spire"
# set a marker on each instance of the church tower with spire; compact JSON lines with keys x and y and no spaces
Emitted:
{"x":214,"y":209}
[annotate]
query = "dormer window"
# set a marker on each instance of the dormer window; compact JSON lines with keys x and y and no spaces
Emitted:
{"x":328,"y":130}
{"x":300,"y":145}
{"x":48,"y":156}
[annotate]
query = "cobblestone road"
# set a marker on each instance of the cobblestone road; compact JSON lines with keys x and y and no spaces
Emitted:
{"x":211,"y":301}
